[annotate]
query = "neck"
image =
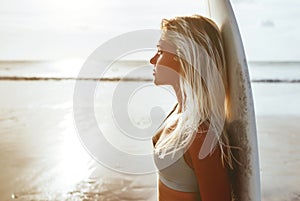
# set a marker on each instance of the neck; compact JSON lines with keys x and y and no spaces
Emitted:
{"x":179,"y":97}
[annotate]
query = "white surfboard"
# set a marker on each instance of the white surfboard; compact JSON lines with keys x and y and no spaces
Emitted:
{"x":241,"y":125}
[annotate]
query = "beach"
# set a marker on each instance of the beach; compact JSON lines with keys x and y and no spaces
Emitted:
{"x":45,"y":147}
{"x":42,"y":157}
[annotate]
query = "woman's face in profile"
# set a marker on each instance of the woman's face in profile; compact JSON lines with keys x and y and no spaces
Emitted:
{"x":166,"y":66}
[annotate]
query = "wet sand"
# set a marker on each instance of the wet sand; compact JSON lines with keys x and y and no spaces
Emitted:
{"x":279,"y":157}
{"x":42,"y":158}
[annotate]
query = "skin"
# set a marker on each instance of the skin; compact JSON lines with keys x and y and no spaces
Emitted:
{"x":167,"y":70}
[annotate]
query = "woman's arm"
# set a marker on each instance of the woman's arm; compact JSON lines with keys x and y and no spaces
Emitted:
{"x":212,"y":177}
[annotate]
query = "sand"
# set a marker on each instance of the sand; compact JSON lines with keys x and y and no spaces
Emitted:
{"x":42,"y":157}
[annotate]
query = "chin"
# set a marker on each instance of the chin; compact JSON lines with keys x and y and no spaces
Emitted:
{"x":158,"y":83}
{"x":155,"y":82}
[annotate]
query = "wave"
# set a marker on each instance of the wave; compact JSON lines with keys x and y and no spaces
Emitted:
{"x":126,"y":79}
{"x":276,"y":80}
{"x":112,"y":79}
{"x":274,"y":63}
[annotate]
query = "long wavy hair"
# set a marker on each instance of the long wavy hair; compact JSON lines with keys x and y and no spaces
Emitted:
{"x":203,"y":85}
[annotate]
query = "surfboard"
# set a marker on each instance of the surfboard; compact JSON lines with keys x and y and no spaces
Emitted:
{"x":240,"y":124}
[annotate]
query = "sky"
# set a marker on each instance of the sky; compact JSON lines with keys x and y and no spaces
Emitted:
{"x":60,"y":29}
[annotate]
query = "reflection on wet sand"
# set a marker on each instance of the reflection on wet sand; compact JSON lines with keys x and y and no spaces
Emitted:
{"x":42,"y":158}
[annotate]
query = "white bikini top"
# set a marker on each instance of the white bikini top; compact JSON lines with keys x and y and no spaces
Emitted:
{"x":174,"y":172}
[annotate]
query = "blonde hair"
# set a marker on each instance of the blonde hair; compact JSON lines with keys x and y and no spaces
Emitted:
{"x":203,"y":85}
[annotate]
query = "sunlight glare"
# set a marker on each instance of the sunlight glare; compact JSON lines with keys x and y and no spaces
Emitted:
{"x":67,"y":67}
{"x":76,"y":164}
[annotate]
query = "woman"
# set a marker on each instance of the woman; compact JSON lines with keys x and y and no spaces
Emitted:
{"x":191,"y":149}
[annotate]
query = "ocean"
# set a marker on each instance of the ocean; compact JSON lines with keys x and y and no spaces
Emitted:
{"x":42,"y":157}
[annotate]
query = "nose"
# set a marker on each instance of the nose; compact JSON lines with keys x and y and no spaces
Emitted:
{"x":153,"y":59}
